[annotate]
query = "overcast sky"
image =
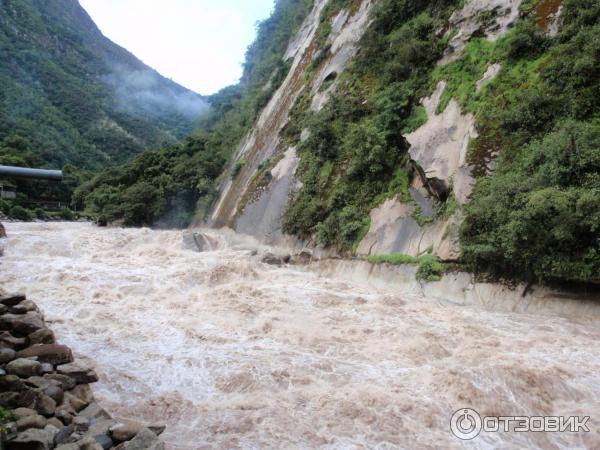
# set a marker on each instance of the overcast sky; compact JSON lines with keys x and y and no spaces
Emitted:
{"x":200,"y":44}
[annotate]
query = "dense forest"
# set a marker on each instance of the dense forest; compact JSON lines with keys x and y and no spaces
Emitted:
{"x":71,"y":96}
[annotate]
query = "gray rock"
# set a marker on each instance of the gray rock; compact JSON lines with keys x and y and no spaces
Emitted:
{"x":3,"y":309}
{"x":63,"y":435}
{"x":48,"y":353}
{"x":11,"y":383}
{"x":94,"y":411}
{"x":43,"y":336}
{"x":7,"y":355}
{"x":12,"y":299}
{"x":55,"y":423}
{"x":79,"y":372}
{"x":18,"y":309}
{"x":72,"y":446}
{"x":275,"y":260}
{"x":125,"y":431}
{"x":44,"y":404}
{"x":66,"y":382}
{"x":55,"y":393}
{"x":83,"y":392}
{"x":23,"y":368}
{"x":19,"y":413}
{"x":105,"y":441}
{"x":145,"y":440}
{"x":74,"y":402}
{"x":22,"y":325}
{"x":33,"y":421}
{"x":34,"y":439}
{"x":65,"y":414}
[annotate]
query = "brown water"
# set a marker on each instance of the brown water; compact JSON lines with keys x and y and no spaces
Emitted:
{"x":231,"y":353}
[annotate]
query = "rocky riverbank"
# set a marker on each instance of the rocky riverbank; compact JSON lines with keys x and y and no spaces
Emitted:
{"x":46,"y":395}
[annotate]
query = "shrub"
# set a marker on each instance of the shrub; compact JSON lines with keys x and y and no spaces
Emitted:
{"x":20,"y":213}
{"x":429,"y":267}
{"x":237,"y":168}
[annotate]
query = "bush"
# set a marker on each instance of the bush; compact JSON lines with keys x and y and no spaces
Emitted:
{"x":237,"y":168}
{"x":20,"y":213}
{"x":429,"y":267}
{"x":538,"y":217}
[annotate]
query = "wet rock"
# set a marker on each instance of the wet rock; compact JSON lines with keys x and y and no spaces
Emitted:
{"x":83,"y":392}
{"x":22,"y":325}
{"x":66,"y":382}
{"x":74,"y":402}
{"x":81,"y":424}
{"x":12,"y":299}
{"x":33,"y":439}
{"x":3,"y":309}
{"x":2,"y":231}
{"x":43,"y":336}
{"x":275,"y":260}
{"x":7,"y":355}
{"x":78,"y":372}
{"x":55,"y":423}
{"x":33,"y":421}
{"x":65,"y":414}
{"x":63,"y":435}
{"x":145,"y":440}
{"x":19,"y":413}
{"x":55,"y":393}
{"x":44,"y":404}
{"x":125,"y":431}
{"x":18,"y":309}
{"x":94,"y":411}
{"x":23,"y":368}
{"x":104,"y":440}
{"x":8,"y":340}
{"x":48,"y":353}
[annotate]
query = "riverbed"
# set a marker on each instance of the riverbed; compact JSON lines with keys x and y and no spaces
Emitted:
{"x":233,"y":353}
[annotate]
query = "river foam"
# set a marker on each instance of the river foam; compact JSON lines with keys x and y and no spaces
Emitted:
{"x":232,"y":353}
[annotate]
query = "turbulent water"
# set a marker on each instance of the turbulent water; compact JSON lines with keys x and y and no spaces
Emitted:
{"x":231,"y":353}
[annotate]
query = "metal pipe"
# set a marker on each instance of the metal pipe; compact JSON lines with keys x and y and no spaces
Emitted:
{"x":25,"y":172}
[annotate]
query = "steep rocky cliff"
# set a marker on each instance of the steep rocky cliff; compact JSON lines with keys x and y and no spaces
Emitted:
{"x":395,"y":119}
{"x":438,"y":148}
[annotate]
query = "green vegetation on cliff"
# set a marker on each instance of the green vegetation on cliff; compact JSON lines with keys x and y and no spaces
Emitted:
{"x":356,"y":155}
{"x":537,"y":216}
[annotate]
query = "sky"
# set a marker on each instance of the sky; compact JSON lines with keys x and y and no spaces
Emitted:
{"x":199,"y":44}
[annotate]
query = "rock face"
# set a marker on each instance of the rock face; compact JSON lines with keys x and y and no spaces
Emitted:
{"x":48,"y":393}
{"x":255,"y":206}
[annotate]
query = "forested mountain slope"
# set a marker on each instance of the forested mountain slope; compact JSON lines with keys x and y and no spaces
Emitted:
{"x":70,"y":95}
{"x":441,"y":131}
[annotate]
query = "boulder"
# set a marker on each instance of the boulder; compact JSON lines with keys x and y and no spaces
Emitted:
{"x":81,"y":373}
{"x":11,"y":299}
{"x":55,"y":423}
{"x":2,"y":231}
{"x":65,"y":414}
{"x":33,"y":421}
{"x":44,"y":404}
{"x":63,"y":435}
{"x":19,"y":413}
{"x":11,"y":383}
{"x":275,"y":260}
{"x":66,"y":382}
{"x":7,"y":355}
{"x":157,"y":429}
{"x":34,"y":439}
{"x":104,"y":440}
{"x":125,"y":431}
{"x":23,"y":368}
{"x":46,"y":368}
{"x":55,"y":393}
{"x":145,"y":440}
{"x":94,"y":411}
{"x":74,"y":402}
{"x":3,"y":309}
{"x":8,"y":340}
{"x":48,"y":353}
{"x":22,"y":325}
{"x":83,"y":392}
{"x":43,"y":336}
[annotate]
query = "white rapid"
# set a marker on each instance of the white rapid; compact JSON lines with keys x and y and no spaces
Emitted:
{"x":231,"y":353}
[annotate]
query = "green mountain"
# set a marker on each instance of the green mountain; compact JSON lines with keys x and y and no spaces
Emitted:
{"x":70,"y":95}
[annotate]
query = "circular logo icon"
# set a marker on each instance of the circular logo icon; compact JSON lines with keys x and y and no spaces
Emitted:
{"x":466,"y":424}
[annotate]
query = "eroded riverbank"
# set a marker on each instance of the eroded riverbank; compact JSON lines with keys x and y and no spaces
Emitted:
{"x":232,"y":353}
